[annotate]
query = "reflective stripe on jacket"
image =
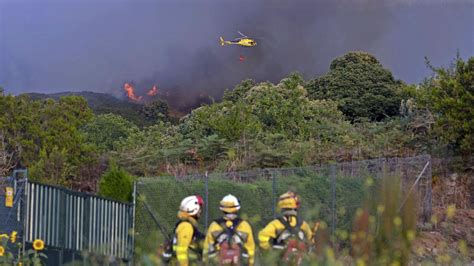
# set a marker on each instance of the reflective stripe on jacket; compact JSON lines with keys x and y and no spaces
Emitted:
{"x":275,"y":228}
{"x":186,"y":243}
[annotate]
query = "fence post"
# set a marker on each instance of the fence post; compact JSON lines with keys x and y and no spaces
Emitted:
{"x":86,"y":224}
{"x":132,"y":251}
{"x":25,"y":221}
{"x":427,"y":209}
{"x":206,"y":188}
{"x":273,"y":194}
{"x":333,"y":222}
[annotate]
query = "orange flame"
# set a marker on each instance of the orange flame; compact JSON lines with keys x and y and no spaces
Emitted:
{"x":153,"y":91}
{"x":131,"y":92}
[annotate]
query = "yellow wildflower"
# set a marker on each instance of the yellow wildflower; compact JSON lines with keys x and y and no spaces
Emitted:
{"x":410,"y":235}
{"x":463,"y":247}
{"x":330,"y":254}
{"x":343,"y":235}
{"x":341,"y":211}
{"x":372,"y":219}
{"x":2,"y":251}
{"x":450,"y":211}
{"x":397,"y":221}
{"x":370,"y":238}
{"x":380,"y":208}
{"x":443,"y":259}
{"x":353,"y":236}
{"x":369,"y":182}
{"x":323,"y":225}
{"x":395,"y":263}
{"x":360,"y":262}
{"x":13,"y":237}
{"x":38,"y":244}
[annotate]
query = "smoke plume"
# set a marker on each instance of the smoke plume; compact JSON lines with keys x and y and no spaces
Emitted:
{"x":174,"y":45}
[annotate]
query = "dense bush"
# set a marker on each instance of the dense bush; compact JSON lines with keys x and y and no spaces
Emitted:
{"x":363,"y":88}
{"x":45,"y":137}
{"x":155,"y":111}
{"x":116,"y":184}
{"x":449,"y":96}
{"x":106,"y":131}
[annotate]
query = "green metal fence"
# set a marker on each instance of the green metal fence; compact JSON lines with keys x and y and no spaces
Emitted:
{"x":76,"y":221}
{"x":72,"y":224}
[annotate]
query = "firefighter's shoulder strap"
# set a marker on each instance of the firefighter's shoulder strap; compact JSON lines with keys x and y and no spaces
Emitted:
{"x":230,"y":231}
{"x":293,"y":230}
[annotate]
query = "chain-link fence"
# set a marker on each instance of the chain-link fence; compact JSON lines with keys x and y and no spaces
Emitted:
{"x":330,"y":193}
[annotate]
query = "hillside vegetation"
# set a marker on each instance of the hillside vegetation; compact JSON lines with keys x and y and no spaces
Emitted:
{"x":357,"y":110}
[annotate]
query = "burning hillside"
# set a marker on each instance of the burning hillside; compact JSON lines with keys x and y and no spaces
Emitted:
{"x":179,"y":101}
{"x":130,"y":90}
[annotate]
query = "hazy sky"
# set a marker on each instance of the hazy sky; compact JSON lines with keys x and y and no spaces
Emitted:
{"x":50,"y":46}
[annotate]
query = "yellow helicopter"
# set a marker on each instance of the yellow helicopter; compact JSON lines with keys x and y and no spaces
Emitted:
{"x":242,"y":41}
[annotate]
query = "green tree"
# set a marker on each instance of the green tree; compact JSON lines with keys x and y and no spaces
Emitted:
{"x":34,"y":132}
{"x":211,"y":147}
{"x":227,"y":120}
{"x":116,"y":184}
{"x":271,"y":152}
{"x":239,"y":91}
{"x":286,"y":109}
{"x":156,"y":111}
{"x":145,"y":151}
{"x":363,"y":88}
{"x":449,"y":95}
{"x":106,"y":131}
{"x":20,"y":130}
{"x":60,"y":123}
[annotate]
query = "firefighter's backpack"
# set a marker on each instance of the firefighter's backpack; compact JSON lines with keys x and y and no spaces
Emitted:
{"x":230,"y":243}
{"x":292,"y":241}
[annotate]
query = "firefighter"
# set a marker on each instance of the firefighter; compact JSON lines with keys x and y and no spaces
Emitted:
{"x":186,"y":246}
{"x":288,"y":233}
{"x":229,"y":240}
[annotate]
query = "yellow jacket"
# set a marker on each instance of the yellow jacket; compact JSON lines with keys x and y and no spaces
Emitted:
{"x":187,"y":244}
{"x":243,"y":234}
{"x":276,"y":227}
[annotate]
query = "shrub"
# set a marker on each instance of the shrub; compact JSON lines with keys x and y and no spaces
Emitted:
{"x":116,"y":184}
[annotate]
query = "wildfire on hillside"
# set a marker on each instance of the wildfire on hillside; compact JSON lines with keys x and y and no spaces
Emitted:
{"x":180,"y":101}
{"x":131,"y":92}
{"x":153,"y":91}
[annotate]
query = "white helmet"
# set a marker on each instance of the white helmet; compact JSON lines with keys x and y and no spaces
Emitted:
{"x":230,"y":204}
{"x":191,"y":205}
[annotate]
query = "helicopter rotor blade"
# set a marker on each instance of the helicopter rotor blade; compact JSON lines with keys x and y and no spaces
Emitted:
{"x":242,"y":34}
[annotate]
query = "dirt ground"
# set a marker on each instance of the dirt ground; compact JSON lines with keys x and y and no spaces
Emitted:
{"x":449,"y":236}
